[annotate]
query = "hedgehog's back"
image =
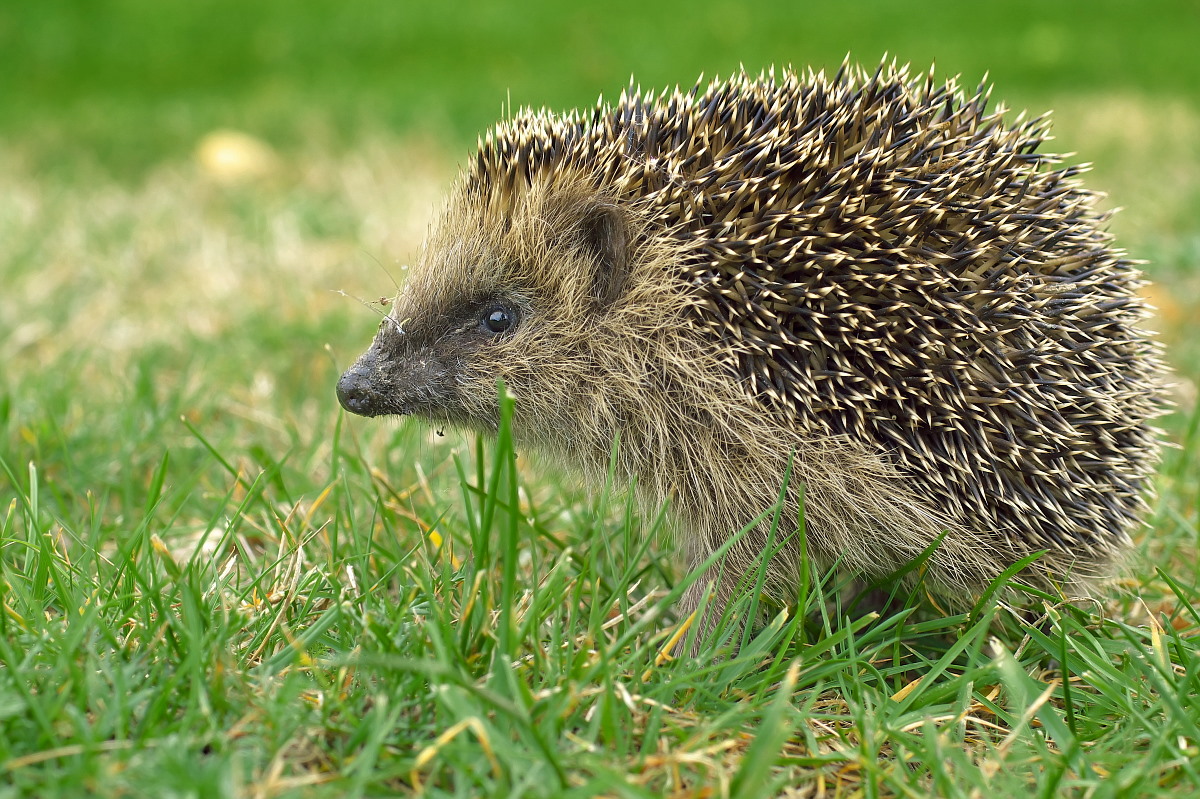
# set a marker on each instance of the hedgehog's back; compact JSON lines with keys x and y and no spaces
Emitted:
{"x":882,"y":258}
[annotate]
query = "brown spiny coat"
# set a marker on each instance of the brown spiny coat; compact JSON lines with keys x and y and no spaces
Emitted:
{"x":871,"y":278}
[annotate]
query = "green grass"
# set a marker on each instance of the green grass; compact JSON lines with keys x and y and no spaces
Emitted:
{"x":236,"y":636}
{"x":213,"y":583}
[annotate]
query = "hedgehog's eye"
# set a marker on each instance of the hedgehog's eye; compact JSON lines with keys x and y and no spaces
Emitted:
{"x":498,"y":318}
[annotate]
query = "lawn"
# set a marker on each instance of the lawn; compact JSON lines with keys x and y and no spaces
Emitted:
{"x":213,"y":583}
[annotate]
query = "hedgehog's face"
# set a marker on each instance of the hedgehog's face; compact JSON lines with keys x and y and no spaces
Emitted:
{"x":522,"y":299}
{"x":427,"y":363}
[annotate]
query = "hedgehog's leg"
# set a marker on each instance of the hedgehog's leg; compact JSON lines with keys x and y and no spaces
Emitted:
{"x":708,"y":597}
{"x":701,"y":607}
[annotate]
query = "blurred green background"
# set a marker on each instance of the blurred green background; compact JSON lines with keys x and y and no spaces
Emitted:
{"x":129,"y":82}
{"x":359,"y":112}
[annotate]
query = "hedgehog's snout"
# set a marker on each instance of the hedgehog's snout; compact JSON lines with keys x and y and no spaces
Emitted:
{"x":391,"y":378}
{"x":355,"y":391}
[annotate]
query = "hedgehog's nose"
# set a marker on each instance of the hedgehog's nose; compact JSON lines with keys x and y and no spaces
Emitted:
{"x":354,"y":390}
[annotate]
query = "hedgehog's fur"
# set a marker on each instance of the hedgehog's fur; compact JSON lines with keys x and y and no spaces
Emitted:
{"x":870,"y":280}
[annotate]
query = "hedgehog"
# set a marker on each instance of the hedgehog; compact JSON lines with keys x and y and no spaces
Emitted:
{"x":865,"y":301}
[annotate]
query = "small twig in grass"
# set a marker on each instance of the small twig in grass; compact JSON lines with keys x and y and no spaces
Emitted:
{"x":1026,"y":718}
{"x":632,"y":609}
{"x":431,"y":751}
{"x":362,"y":302}
{"x":664,"y":654}
{"x":73,"y":750}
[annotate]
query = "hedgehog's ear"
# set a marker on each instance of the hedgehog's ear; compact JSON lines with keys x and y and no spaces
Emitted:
{"x":604,"y":235}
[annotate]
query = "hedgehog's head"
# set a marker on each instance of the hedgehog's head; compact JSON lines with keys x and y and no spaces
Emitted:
{"x":529,"y":284}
